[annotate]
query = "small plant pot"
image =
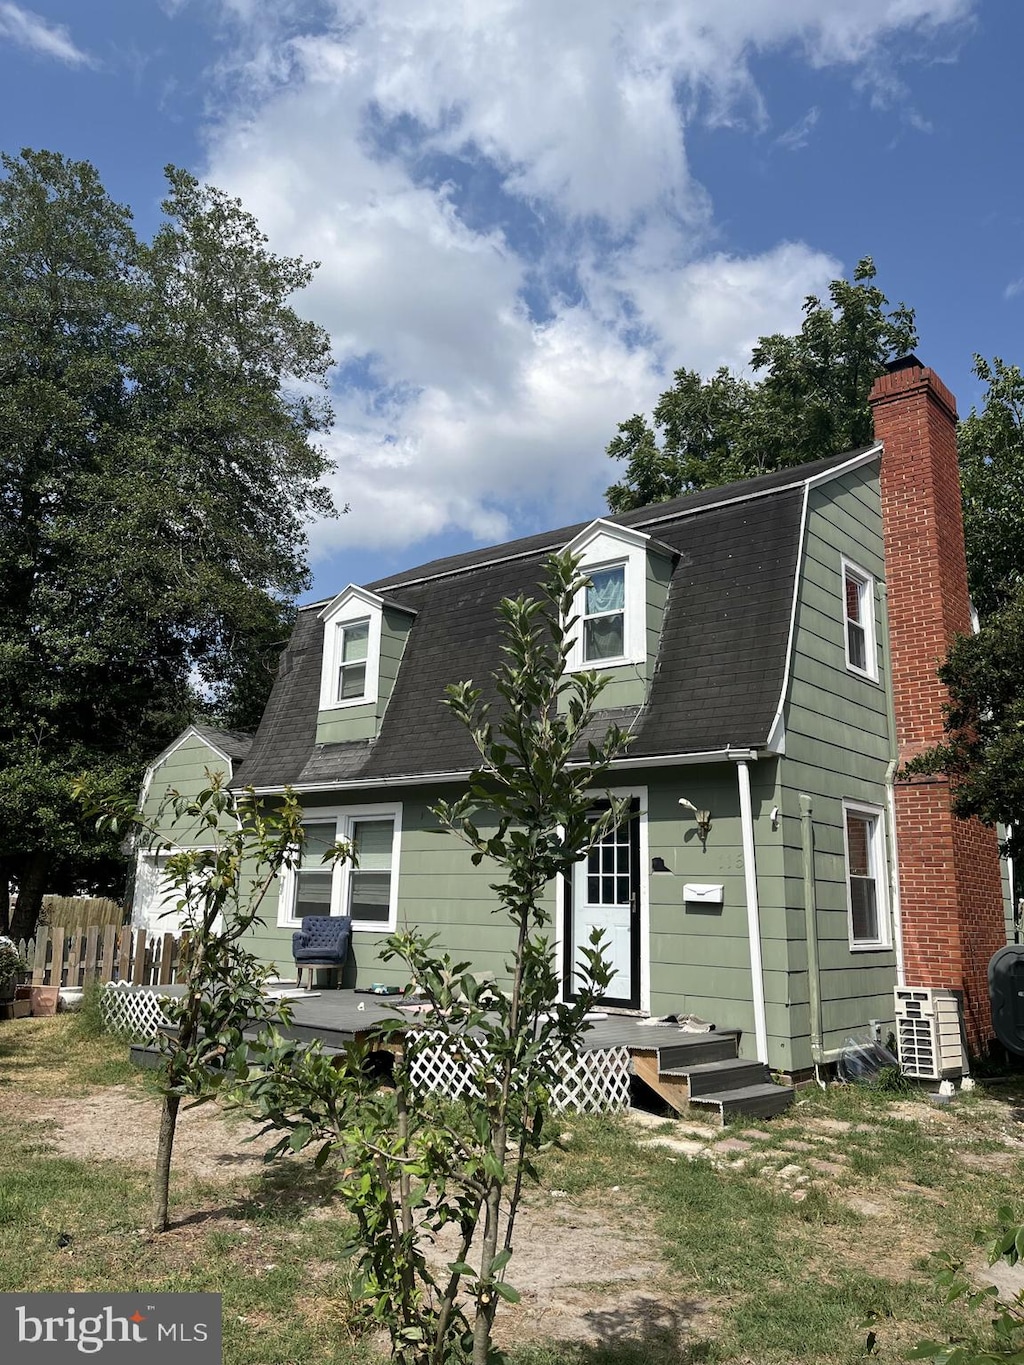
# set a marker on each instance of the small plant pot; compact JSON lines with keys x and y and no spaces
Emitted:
{"x":44,"y":1001}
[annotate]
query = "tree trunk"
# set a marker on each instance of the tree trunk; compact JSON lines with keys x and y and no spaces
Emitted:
{"x":31,"y":885}
{"x":5,"y":896}
{"x":162,"y":1174}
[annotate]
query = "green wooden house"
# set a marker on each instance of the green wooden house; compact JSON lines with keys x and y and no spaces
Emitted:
{"x":771,"y":648}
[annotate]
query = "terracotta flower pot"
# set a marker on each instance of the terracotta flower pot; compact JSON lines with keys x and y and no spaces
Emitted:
{"x":44,"y":1001}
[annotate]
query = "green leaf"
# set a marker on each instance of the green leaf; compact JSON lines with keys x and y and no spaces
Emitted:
{"x":506,"y":1291}
{"x":461,"y":1268}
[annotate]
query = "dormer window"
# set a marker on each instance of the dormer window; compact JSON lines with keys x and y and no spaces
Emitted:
{"x":351,"y":662}
{"x":612,"y":608}
{"x":604,"y":614}
{"x":352,"y":647}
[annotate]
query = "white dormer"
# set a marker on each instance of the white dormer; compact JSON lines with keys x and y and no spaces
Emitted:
{"x":350,"y":673}
{"x":612,"y":609}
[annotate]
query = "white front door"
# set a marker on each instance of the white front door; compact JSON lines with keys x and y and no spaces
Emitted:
{"x":605,"y":895}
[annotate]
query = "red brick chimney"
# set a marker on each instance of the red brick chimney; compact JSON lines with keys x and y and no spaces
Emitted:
{"x":949,"y":874}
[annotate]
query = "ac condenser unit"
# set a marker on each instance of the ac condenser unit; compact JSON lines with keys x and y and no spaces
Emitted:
{"x":928,"y":1033}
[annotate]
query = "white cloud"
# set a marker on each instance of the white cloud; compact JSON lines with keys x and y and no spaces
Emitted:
{"x":797,"y":136}
{"x":484,"y":416}
{"x":27,"y":29}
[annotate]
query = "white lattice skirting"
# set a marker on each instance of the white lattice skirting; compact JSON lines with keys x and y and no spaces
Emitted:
{"x":597,"y":1082}
{"x":134,"y":1015}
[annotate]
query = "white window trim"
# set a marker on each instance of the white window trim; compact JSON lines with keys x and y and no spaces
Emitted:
{"x":867,"y":585}
{"x":350,"y":607}
{"x":603,"y":545}
{"x":342,"y":818}
{"x":880,"y":868}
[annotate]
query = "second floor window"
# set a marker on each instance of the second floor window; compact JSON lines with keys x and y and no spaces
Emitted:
{"x":604,"y":615}
{"x":859,"y":621}
{"x":353,"y":642}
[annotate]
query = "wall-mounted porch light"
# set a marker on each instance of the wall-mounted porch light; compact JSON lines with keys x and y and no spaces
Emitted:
{"x":703,"y":819}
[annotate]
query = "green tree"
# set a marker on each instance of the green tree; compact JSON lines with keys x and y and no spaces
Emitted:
{"x":221,"y":889}
{"x":157,"y":404}
{"x":811,"y":401}
{"x":991,"y":450}
{"x":415,"y":1162}
{"x":983,"y":749}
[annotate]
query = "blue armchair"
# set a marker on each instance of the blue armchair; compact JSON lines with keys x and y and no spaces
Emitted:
{"x":321,"y":942}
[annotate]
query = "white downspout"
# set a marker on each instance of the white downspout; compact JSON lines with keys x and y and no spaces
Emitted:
{"x":753,"y":910}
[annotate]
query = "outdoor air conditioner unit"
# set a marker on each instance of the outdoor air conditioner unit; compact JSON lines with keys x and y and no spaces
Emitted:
{"x":928,"y":1033}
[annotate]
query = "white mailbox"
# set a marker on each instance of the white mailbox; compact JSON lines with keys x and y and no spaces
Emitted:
{"x":703,"y":893}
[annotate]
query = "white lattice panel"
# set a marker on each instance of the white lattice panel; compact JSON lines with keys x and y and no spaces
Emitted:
{"x":597,"y":1082}
{"x":135,"y":1015}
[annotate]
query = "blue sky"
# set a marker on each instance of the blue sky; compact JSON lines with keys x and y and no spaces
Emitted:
{"x":529,"y":214}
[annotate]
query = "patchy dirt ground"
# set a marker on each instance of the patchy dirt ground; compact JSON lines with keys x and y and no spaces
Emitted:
{"x":585,"y":1273}
{"x":118,"y":1124}
{"x":583,"y":1278}
{"x":580,"y":1277}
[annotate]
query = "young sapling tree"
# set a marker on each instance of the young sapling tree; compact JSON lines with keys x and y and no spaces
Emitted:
{"x":415,"y":1160}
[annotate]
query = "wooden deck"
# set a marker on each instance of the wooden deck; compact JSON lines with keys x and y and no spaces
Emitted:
{"x":340,"y":1016}
{"x":679,"y":1066}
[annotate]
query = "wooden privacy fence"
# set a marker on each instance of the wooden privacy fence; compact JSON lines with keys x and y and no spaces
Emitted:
{"x":79,"y":912}
{"x":72,"y":957}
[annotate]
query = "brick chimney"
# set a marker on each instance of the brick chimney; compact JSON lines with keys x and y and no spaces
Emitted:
{"x":949,"y":874}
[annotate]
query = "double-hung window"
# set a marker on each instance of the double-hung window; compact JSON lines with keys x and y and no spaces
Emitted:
{"x":610,"y":609}
{"x":859,"y":621}
{"x":350,"y":669}
{"x":352,"y":647}
{"x":364,"y":886}
{"x":864,"y":835}
{"x":604,"y":614}
{"x":312,"y":878}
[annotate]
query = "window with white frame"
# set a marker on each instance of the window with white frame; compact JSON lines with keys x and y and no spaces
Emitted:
{"x":312,"y":878}
{"x":864,"y":836}
{"x":351,"y":649}
{"x":351,"y":657}
{"x":604,"y":614}
{"x":611,"y":609}
{"x":859,"y":620}
{"x":364,"y":887}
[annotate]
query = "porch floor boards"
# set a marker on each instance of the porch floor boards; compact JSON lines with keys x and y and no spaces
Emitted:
{"x":338,"y":1017}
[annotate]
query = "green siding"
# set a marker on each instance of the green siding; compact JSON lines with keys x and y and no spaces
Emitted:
{"x":184,"y":770}
{"x":838,"y":745}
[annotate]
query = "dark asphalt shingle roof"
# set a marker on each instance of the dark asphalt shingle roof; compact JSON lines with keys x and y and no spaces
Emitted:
{"x":235,"y":743}
{"x":720,"y":666}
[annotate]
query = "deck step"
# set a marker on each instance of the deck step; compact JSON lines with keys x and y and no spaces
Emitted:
{"x":714,"y":1077}
{"x":698,"y":1050}
{"x":754,"y":1101}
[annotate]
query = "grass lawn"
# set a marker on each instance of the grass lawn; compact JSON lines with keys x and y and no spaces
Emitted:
{"x":776,"y":1247}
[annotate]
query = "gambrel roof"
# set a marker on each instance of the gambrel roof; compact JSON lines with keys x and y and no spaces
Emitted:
{"x":721,"y":664}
